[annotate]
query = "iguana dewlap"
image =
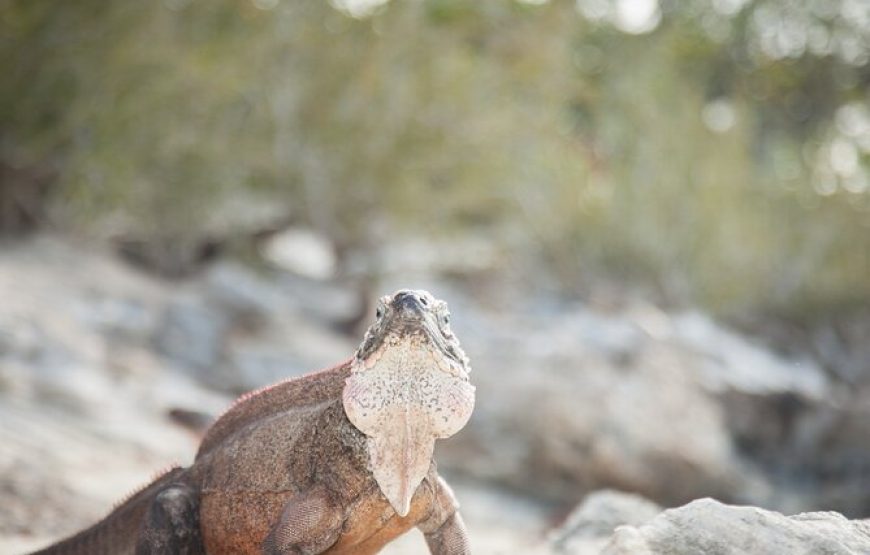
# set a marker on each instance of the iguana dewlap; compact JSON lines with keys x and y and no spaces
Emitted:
{"x":338,"y":461}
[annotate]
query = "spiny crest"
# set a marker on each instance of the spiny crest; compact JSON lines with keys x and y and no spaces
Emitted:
{"x":248,"y":395}
{"x":245,"y":397}
{"x":155,"y":476}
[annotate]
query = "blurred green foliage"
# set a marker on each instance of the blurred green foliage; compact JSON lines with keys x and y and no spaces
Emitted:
{"x":718,"y":150}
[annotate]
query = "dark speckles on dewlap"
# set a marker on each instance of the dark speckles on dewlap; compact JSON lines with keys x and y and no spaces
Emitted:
{"x":404,"y":396}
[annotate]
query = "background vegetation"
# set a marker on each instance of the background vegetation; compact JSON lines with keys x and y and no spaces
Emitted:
{"x":716,"y":151}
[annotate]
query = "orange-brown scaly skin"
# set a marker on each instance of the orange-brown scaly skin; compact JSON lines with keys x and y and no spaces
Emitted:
{"x":272,"y":448}
{"x":280,"y":444}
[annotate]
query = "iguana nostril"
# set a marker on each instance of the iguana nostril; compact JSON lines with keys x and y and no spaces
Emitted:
{"x":408,"y":303}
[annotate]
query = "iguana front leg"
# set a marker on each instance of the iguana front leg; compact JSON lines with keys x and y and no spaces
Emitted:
{"x":444,"y":530}
{"x":450,"y":538}
{"x":310,"y":523}
{"x":172,"y":524}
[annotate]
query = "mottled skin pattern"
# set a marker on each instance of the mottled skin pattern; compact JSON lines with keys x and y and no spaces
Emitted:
{"x":285,"y":471}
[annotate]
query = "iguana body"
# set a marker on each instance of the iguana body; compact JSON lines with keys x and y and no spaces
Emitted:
{"x":335,"y":462}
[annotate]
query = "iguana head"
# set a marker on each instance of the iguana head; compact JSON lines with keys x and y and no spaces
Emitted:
{"x":408,"y":386}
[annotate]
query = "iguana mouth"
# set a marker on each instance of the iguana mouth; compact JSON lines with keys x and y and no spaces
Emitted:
{"x":403,"y":394}
{"x":446,"y":364}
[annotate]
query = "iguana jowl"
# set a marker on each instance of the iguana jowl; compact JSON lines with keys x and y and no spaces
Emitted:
{"x":338,"y":461}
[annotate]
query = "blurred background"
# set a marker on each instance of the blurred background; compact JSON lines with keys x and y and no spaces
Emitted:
{"x":651,"y":219}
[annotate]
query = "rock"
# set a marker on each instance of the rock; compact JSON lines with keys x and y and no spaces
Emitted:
{"x":836,"y":337}
{"x":191,"y":334}
{"x":303,"y":252}
{"x":617,"y":338}
{"x":291,"y":346}
{"x":168,"y":256}
{"x":248,"y":299}
{"x":674,"y":407}
{"x":254,"y":299}
{"x":468,"y":255}
{"x":499,"y":522}
{"x":590,"y":526}
{"x":256,"y":364}
{"x":827,"y":452}
{"x":786,"y":417}
{"x":570,"y":398}
{"x":19,"y":337}
{"x":237,"y":330}
{"x":710,"y":527}
{"x":279,"y":325}
{"x":563,"y":410}
{"x":118,"y":318}
{"x":730,"y":362}
{"x":235,"y":220}
{"x":321,"y":302}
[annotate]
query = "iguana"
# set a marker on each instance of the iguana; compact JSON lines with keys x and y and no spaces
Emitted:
{"x":338,"y":461}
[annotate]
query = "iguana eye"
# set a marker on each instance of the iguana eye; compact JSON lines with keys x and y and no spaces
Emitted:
{"x":445,"y":318}
{"x":379,"y":313}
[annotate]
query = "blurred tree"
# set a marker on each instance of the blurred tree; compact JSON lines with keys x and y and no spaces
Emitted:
{"x":717,"y":149}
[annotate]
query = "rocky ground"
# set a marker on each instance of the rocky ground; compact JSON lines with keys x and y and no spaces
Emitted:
{"x":101,"y":366}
